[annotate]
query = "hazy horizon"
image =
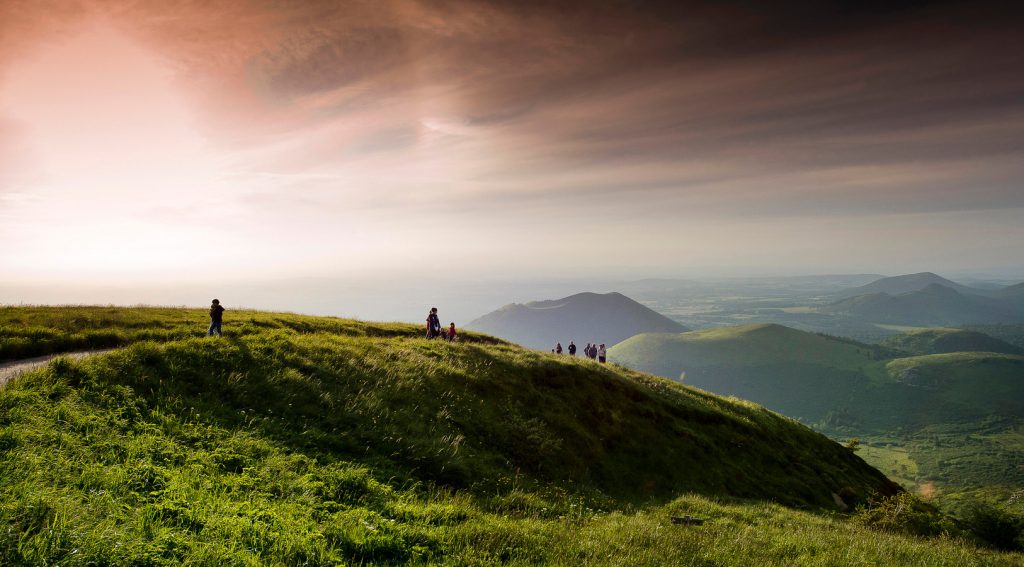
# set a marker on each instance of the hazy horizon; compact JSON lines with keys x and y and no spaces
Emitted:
{"x":216,"y":144}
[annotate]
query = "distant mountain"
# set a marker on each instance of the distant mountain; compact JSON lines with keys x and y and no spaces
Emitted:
{"x":1012,"y":292}
{"x":907,"y":283}
{"x":934,"y":306}
{"x":585,"y":317}
{"x":940,"y":341}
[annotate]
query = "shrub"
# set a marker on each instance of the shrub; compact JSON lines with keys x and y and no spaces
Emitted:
{"x":995,"y":527}
{"x":903,"y":513}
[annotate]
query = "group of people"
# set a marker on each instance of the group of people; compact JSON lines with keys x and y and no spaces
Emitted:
{"x":434,"y":329}
{"x":591,"y":351}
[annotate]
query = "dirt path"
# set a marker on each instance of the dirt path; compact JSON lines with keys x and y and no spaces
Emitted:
{"x":9,"y":370}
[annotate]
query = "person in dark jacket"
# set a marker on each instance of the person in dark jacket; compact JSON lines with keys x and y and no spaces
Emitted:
{"x":216,"y":318}
{"x":572,"y":348}
{"x":558,"y":348}
{"x":433,"y":324}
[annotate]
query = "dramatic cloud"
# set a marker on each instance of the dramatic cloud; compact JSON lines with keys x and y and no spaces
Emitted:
{"x":152,"y":139}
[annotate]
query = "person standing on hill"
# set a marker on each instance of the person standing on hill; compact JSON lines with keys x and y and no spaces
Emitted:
{"x":602,"y":354}
{"x":586,"y":350}
{"x":451,"y":331}
{"x":216,"y":318}
{"x":558,"y":348}
{"x":433,"y":324}
{"x":572,"y":348}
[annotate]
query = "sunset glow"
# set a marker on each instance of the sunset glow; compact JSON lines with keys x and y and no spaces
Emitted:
{"x":146,"y":142}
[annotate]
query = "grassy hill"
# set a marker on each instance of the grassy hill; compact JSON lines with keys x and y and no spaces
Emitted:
{"x":325,"y":441}
{"x":965,"y":406}
{"x":942,"y":340}
{"x":585,"y":317}
{"x":794,"y":372}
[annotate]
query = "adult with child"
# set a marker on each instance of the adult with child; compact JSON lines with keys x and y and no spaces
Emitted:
{"x":216,"y":318}
{"x":433,"y":324}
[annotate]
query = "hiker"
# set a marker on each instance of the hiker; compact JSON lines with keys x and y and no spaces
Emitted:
{"x":586,"y":350}
{"x":433,"y":324}
{"x":592,"y":351}
{"x":601,"y":354}
{"x":451,"y":331}
{"x":558,"y":348}
{"x":216,"y":317}
{"x":572,"y":348}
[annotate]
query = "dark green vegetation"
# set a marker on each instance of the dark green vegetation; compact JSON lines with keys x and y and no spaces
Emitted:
{"x":583,"y":318}
{"x":940,"y":341}
{"x":298,"y":440}
{"x":1013,"y":334}
{"x":948,"y":423}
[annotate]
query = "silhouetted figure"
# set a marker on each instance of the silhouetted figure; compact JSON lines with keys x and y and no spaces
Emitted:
{"x":586,"y":350}
{"x":602,"y":353}
{"x":572,"y":348}
{"x":558,"y":348}
{"x":451,"y":331}
{"x":433,"y":324}
{"x":216,"y":318}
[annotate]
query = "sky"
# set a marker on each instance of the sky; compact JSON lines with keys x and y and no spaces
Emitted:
{"x":155,"y":142}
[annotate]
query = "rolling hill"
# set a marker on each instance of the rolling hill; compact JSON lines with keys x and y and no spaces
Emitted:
{"x":934,"y":305}
{"x":800,"y":374}
{"x":907,"y":283}
{"x":966,"y":406}
{"x":585,"y":317}
{"x":322,"y":441}
{"x":939,"y":341}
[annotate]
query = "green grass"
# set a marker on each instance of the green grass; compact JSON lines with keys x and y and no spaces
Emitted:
{"x":335,"y":442}
{"x":972,"y":401}
{"x":938,"y":341}
{"x":33,"y":331}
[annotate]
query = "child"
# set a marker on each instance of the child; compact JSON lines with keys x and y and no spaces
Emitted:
{"x":451,"y":331}
{"x":216,"y":315}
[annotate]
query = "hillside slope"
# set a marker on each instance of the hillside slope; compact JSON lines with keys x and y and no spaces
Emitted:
{"x":951,"y":420}
{"x":319,"y":440}
{"x":584,"y":318}
{"x":939,"y":341}
{"x":794,"y":372}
